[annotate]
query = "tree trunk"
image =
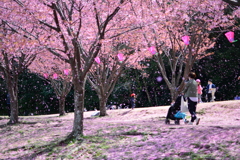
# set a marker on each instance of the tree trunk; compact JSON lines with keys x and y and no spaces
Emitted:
{"x":102,"y":106}
{"x":79,"y":92}
{"x":13,"y":92}
{"x":173,"y":93}
{"x":155,"y":96}
{"x":62,"y":106}
{"x":148,"y":95}
{"x":187,"y":69}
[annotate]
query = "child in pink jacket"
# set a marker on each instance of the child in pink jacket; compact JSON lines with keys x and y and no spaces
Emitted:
{"x":199,"y":90}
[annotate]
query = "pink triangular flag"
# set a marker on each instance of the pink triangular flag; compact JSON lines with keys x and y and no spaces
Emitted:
{"x":120,"y":57}
{"x":152,"y":50}
{"x":186,"y":39}
{"x":55,"y":76}
{"x":45,"y":75}
{"x":230,"y":36}
{"x":65,"y":71}
{"x":97,"y":59}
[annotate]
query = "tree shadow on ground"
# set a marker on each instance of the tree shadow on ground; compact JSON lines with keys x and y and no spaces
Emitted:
{"x":124,"y":113}
{"x":10,"y":124}
{"x":40,"y":150}
{"x":3,"y":125}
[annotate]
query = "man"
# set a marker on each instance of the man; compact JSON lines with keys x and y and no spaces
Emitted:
{"x":211,"y":89}
{"x":190,"y":92}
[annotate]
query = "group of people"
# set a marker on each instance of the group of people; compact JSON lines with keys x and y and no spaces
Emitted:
{"x":210,"y":91}
{"x":193,"y":92}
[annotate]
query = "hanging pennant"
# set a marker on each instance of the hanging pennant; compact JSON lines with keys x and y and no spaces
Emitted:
{"x":97,"y":59}
{"x":186,"y":39}
{"x":55,"y":76}
{"x":65,"y":71}
{"x":45,"y":75}
{"x":120,"y":57}
{"x":230,"y":36}
{"x":152,"y":50}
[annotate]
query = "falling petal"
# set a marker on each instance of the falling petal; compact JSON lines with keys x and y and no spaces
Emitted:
{"x":159,"y":79}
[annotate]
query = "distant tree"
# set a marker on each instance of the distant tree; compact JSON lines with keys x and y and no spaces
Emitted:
{"x":171,"y":21}
{"x":61,"y":87}
{"x":104,"y":75}
{"x":57,"y":73}
{"x":222,"y":67}
{"x":18,"y":51}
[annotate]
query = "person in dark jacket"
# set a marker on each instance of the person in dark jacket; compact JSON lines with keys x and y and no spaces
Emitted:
{"x":133,"y":100}
{"x":211,"y":89}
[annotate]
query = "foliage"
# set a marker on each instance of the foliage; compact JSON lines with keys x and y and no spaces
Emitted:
{"x":222,"y":67}
{"x":3,"y":98}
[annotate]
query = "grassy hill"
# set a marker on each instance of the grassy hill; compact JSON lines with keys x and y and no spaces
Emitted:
{"x":126,"y":134}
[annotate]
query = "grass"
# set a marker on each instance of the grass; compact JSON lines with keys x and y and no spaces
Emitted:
{"x":123,"y":137}
{"x":201,"y":111}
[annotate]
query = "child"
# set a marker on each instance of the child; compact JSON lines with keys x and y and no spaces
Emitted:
{"x":133,"y":100}
{"x":199,"y":90}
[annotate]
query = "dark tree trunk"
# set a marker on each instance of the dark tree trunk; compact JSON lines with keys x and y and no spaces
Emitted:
{"x":61,"y":88}
{"x":102,"y":106}
{"x":62,"y":106}
{"x":12,"y":85}
{"x":173,"y":93}
{"x":79,"y":92}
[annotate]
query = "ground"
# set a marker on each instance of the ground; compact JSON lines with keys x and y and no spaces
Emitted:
{"x":138,"y":134}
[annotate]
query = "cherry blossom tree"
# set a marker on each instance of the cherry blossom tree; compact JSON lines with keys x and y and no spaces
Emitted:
{"x":19,"y":47}
{"x":180,"y":34}
{"x":57,"y":73}
{"x":75,"y":30}
{"x":62,"y":86}
{"x":18,"y":51}
{"x":106,"y":71}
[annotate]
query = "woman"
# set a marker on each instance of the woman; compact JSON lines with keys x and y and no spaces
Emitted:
{"x":190,"y":92}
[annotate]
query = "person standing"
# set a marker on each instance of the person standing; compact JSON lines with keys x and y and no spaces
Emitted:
{"x":133,"y":100}
{"x":190,"y":91}
{"x":211,"y":89}
{"x":237,"y":97}
{"x":199,"y":90}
